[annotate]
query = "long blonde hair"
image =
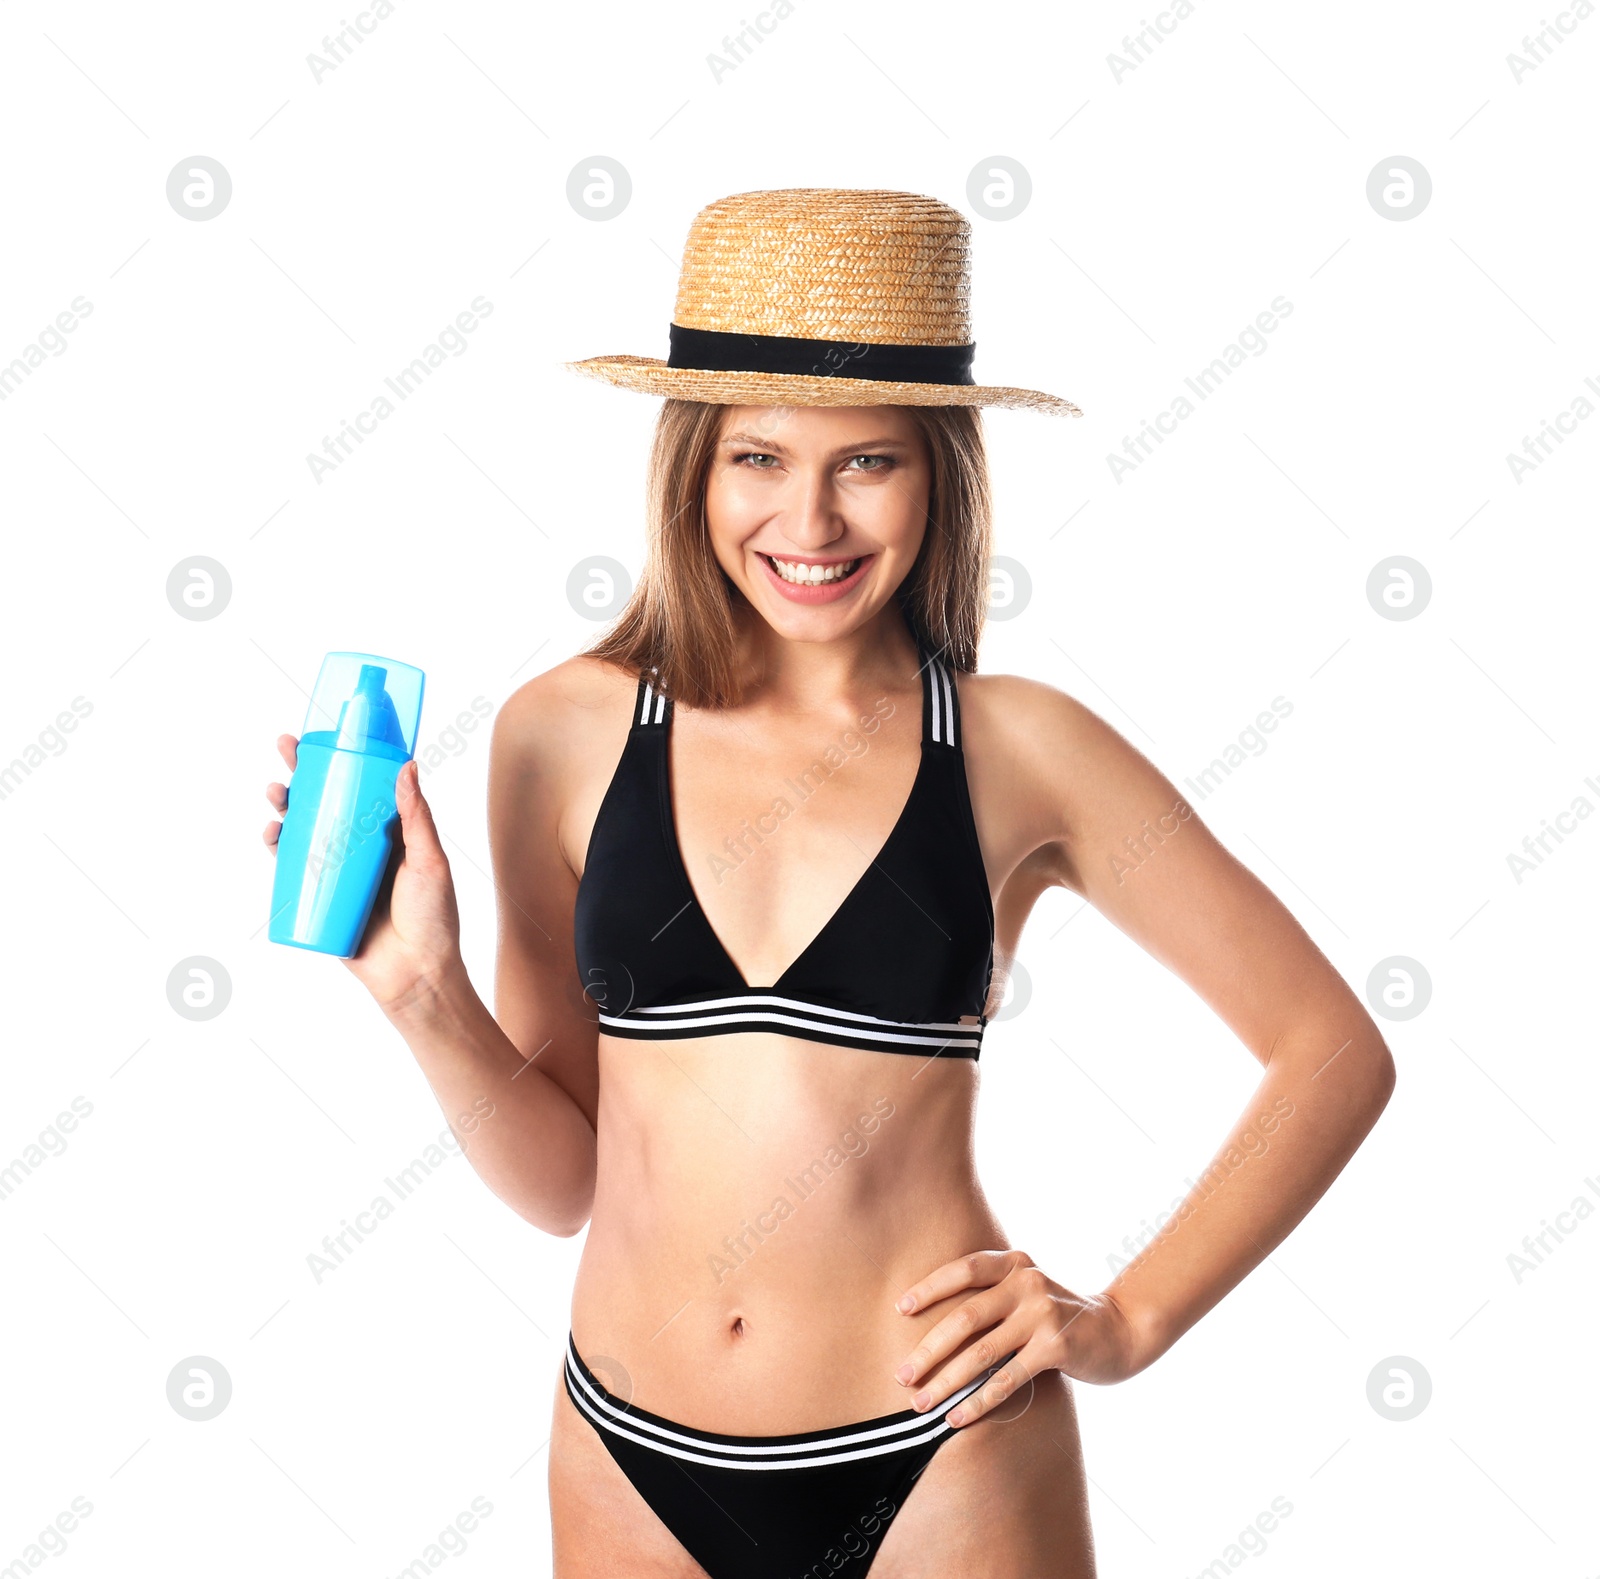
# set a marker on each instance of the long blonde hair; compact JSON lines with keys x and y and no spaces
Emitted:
{"x":680,"y":618}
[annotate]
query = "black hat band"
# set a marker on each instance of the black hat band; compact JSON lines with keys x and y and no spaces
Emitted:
{"x":715,"y":351}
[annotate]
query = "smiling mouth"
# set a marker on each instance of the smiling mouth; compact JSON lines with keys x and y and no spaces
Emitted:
{"x":799,"y":573}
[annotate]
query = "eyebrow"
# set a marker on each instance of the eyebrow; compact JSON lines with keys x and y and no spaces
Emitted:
{"x":772,"y":447}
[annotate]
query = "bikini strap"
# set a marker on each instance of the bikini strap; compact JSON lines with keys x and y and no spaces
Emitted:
{"x":652,"y":708}
{"x":941,"y":713}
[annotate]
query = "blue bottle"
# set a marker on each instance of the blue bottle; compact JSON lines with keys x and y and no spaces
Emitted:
{"x":340,"y":821}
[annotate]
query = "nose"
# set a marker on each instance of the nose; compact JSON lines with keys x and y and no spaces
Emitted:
{"x":812,"y":521}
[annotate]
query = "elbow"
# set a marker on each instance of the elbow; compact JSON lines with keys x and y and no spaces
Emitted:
{"x":1388,"y":1076}
{"x":1382,"y":1064}
{"x":565,"y":1219}
{"x":1361,"y":1072}
{"x":561,"y":1212}
{"x":568,"y":1227}
{"x":562,"y":1225}
{"x":567,"y":1205}
{"x":1379,"y":1076}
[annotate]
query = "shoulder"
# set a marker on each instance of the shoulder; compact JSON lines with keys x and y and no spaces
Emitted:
{"x":1020,"y":714}
{"x":580,"y":706}
{"x":1062,"y":766}
{"x":572,"y":695}
{"x":556,"y":742}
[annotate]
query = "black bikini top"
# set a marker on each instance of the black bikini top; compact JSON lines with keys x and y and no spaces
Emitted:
{"x":902,"y":966}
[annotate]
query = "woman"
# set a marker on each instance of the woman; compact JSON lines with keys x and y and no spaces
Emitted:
{"x":763,"y":855}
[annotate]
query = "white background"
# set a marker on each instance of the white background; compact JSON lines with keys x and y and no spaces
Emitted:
{"x":1167,"y":210}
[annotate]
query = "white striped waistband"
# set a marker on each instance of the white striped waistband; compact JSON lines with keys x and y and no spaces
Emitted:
{"x":842,"y":1446}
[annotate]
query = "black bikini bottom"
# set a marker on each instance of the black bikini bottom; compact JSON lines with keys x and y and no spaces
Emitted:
{"x":769,"y":1507}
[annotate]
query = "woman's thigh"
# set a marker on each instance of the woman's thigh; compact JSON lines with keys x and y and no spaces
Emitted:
{"x":1003,"y":1498}
{"x":600,"y":1526}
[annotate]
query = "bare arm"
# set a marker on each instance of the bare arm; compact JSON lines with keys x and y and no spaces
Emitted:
{"x":1075,"y":806}
{"x":1187,"y":901}
{"x":536,"y":1057}
{"x":526,"y":1137}
{"x":520,"y":1099}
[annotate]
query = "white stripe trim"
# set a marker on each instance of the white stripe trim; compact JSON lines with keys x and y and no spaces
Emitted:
{"x":658,"y":698}
{"x":949,"y":705}
{"x":786,"y":1019}
{"x":784,"y":1463}
{"x":593,"y":1404}
{"x":652,"y":695}
{"x":933,"y":691}
{"x":801,"y":1004}
{"x":845,"y":1436}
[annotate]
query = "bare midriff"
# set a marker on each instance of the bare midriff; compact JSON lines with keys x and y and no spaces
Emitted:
{"x":761,"y":1203}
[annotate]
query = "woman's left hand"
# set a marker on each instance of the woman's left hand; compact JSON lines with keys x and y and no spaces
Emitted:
{"x":1087,"y":1336}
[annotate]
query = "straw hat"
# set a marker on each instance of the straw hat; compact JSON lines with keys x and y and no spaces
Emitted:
{"x":816,"y":296}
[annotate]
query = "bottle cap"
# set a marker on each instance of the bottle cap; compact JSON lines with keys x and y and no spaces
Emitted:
{"x":366,"y":703}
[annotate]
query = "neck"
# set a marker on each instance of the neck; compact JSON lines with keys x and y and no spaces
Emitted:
{"x":871,"y":659}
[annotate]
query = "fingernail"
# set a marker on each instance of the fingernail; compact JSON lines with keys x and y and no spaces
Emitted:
{"x":905,"y":1373}
{"x":955,"y":1417}
{"x":921,"y":1401}
{"x":904,"y":1303}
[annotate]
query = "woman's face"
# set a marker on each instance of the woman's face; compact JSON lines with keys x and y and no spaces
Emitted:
{"x":817,"y":512}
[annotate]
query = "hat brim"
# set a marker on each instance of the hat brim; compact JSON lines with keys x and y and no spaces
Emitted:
{"x":651,"y":376}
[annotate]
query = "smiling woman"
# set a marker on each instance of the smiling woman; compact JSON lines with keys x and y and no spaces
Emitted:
{"x":918,"y":485}
{"x":886,"y":1388}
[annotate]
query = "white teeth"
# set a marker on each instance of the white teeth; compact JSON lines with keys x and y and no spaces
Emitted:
{"x":812,"y":575}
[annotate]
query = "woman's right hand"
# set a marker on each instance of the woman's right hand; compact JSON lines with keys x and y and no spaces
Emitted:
{"x":414,"y":940}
